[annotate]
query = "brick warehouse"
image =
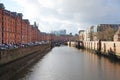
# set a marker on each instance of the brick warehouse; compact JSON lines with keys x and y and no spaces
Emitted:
{"x":14,"y":29}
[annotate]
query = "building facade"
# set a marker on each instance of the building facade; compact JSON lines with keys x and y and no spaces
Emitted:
{"x":16,"y":30}
{"x":105,"y":30}
{"x":81,"y":35}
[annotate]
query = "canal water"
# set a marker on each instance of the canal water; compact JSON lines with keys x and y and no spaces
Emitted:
{"x":68,"y":63}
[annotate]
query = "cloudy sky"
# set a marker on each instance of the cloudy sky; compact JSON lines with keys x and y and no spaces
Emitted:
{"x":72,"y":15}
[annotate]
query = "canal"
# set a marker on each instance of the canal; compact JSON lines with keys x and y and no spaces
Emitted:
{"x":68,"y":63}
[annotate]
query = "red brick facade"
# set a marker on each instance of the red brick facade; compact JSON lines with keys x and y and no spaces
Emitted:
{"x":18,"y":28}
{"x":7,"y":28}
{"x":29,"y":33}
{"x":24,"y":31}
{"x":14,"y":29}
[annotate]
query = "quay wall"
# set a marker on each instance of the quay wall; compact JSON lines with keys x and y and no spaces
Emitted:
{"x":9,"y":55}
{"x":106,"y":46}
{"x":71,"y":43}
{"x":15,"y":60}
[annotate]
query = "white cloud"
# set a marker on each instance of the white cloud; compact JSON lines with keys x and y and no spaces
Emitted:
{"x":70,"y":14}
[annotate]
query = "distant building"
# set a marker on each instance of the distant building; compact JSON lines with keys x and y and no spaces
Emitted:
{"x":88,"y":34}
{"x":81,"y":35}
{"x":59,"y":32}
{"x":91,"y":33}
{"x":103,"y":27}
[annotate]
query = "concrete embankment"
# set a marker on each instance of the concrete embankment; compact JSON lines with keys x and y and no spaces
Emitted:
{"x":13,"y":61}
{"x":106,"y":48}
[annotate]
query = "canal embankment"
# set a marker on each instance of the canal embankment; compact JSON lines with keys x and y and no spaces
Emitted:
{"x":69,"y":63}
{"x":106,"y":48}
{"x":13,"y":61}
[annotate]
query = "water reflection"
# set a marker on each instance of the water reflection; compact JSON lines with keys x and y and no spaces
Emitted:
{"x":67,"y":63}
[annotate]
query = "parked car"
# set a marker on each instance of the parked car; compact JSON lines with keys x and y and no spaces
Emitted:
{"x":3,"y":47}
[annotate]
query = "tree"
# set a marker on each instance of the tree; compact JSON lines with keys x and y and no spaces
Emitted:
{"x":91,"y":34}
{"x":107,"y":34}
{"x":100,"y":35}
